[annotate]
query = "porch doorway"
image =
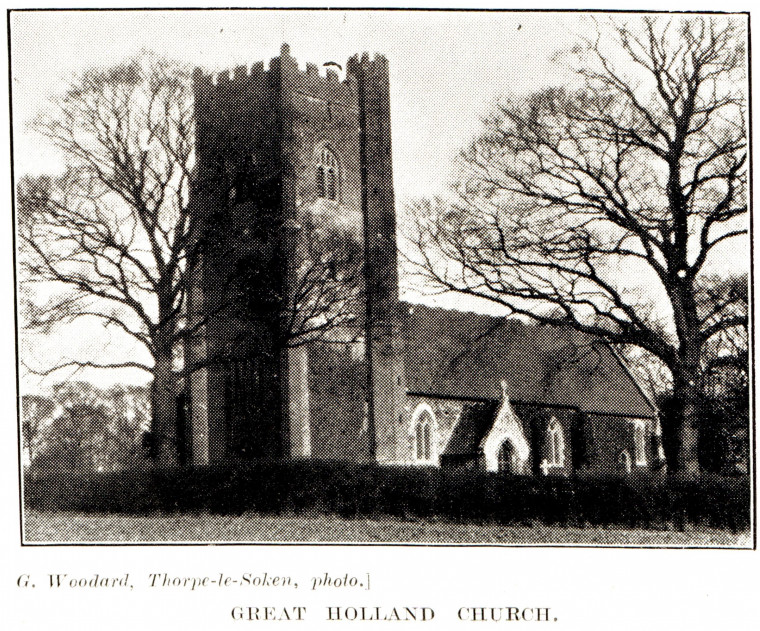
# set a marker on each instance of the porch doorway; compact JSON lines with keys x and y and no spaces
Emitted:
{"x":508,"y":464}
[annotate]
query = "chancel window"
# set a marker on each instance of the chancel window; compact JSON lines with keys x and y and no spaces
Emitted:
{"x":556,"y":444}
{"x":639,"y":442}
{"x":327,"y":175}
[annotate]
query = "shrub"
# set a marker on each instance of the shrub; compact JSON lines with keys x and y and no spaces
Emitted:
{"x":370,"y":491}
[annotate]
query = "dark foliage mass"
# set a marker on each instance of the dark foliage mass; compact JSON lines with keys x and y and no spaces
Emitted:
{"x":78,"y":426}
{"x":723,"y":446}
{"x":369,"y":491}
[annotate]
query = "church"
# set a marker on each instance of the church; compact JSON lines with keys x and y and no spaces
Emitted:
{"x":300,"y":345}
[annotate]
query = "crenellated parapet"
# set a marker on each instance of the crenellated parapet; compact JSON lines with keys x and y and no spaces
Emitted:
{"x":233,"y":90}
{"x":365,"y":66}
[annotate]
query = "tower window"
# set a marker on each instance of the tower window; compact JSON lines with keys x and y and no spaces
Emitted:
{"x":327,"y":175}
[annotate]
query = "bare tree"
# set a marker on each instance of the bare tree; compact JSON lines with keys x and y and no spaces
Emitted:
{"x":114,"y":238}
{"x":327,"y":296}
{"x":602,"y":207}
{"x":725,"y":354}
{"x":112,"y":234}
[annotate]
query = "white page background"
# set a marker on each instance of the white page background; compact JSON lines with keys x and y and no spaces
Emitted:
{"x":585,"y":589}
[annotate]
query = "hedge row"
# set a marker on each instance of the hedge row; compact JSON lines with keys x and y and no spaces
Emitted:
{"x":370,"y":491}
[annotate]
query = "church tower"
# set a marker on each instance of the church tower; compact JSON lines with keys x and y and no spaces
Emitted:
{"x":295,"y":233}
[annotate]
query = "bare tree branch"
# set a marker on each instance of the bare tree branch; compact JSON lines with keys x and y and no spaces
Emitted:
{"x":568,"y":195}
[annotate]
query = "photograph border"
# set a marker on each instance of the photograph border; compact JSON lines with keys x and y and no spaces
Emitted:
{"x":751,"y":270}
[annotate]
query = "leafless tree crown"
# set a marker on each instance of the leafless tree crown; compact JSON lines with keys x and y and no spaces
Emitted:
{"x":571,"y":192}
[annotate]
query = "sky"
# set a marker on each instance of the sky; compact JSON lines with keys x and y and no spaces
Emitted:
{"x":447,"y":70}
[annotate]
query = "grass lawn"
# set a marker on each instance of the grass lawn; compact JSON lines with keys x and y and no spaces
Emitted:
{"x":82,"y":527}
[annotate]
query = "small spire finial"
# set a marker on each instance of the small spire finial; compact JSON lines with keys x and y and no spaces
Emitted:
{"x":504,"y":389}
{"x":285,"y":50}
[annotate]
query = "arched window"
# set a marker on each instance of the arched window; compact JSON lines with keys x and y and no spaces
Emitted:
{"x":327,"y":175}
{"x":556,"y":441}
{"x":423,"y":424}
{"x":640,"y":442}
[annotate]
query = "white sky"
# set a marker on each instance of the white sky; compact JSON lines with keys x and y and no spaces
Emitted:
{"x":447,"y":68}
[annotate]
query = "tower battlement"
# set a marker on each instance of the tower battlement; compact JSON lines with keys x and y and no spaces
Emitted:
{"x":230,"y":89}
{"x":364,"y":64}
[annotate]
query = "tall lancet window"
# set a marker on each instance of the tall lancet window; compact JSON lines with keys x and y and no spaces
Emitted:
{"x":423,"y":427}
{"x":556,"y":444}
{"x":327,"y":175}
{"x":639,"y":442}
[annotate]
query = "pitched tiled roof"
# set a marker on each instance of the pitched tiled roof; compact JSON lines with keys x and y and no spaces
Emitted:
{"x":467,"y":355}
{"x":475,"y":422}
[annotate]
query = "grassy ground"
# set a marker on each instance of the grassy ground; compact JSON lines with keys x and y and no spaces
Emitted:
{"x":81,"y":527}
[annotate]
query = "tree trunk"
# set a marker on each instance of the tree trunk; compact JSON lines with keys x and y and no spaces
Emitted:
{"x":164,"y":408}
{"x":686,"y":412}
